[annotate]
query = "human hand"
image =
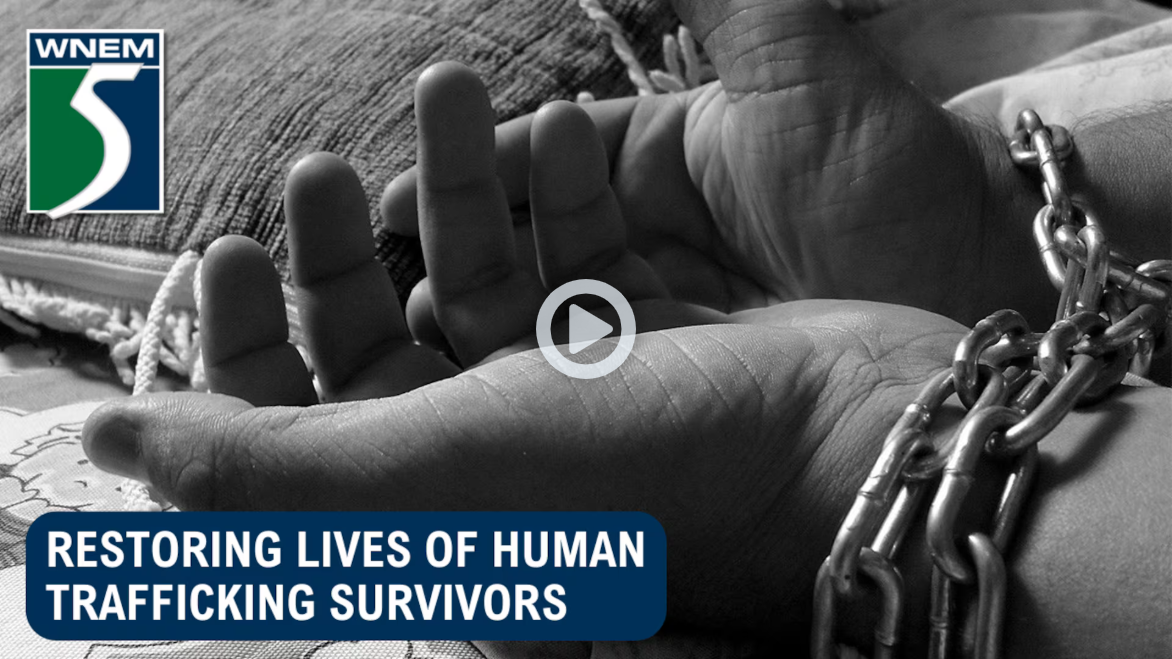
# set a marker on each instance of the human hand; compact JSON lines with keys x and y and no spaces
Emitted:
{"x":745,"y":439}
{"x":809,"y":170}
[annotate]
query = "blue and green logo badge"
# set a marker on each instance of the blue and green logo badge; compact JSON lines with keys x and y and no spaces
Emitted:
{"x":95,"y":121}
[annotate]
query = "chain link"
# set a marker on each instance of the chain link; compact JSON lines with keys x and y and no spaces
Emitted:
{"x":1017,"y":386}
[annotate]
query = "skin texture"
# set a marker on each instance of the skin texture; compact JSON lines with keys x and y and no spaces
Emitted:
{"x":745,"y":429}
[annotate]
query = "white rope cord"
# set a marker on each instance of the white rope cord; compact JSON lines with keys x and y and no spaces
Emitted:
{"x":135,"y":495}
{"x":198,"y":379}
{"x":681,"y":57}
{"x":619,"y":44}
{"x":149,"y":353}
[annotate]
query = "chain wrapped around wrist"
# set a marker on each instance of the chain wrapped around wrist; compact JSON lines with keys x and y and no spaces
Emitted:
{"x":1016,"y":386}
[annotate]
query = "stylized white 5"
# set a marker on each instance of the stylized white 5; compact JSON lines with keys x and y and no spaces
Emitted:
{"x":114,"y":136}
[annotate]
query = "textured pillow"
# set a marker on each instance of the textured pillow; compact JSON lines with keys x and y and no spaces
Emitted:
{"x":253,"y":86}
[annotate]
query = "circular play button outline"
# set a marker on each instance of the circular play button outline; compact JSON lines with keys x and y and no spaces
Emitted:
{"x":626,"y":328}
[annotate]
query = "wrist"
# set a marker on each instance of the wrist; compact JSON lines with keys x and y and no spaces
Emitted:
{"x":1089,"y":571}
{"x":1011,"y":272}
{"x":1120,"y":168}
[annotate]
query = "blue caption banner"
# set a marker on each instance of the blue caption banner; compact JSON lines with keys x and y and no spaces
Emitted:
{"x":336,"y":576}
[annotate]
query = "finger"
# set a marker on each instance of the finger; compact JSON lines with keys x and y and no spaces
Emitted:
{"x":419,"y":312}
{"x":577,"y":223}
{"x":482,"y":299}
{"x":353,"y":325}
{"x":398,"y":203}
{"x":421,"y":321}
{"x":244,"y":334}
{"x":399,"y":200}
{"x":419,"y":308}
{"x":466,"y":223}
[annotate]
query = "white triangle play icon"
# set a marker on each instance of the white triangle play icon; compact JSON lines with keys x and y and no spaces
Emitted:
{"x":585,"y":329}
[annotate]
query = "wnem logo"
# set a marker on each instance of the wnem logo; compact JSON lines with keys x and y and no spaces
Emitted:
{"x":95,"y":121}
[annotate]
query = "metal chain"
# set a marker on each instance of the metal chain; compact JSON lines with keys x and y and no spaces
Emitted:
{"x":1017,"y":386}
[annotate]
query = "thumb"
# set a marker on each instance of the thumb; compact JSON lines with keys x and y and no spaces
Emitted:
{"x":190,"y":447}
{"x":485,"y":438}
{"x":215,"y":452}
{"x":767,"y":45}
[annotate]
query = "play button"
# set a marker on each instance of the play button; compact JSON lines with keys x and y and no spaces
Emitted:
{"x":586,"y":329}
